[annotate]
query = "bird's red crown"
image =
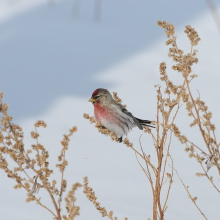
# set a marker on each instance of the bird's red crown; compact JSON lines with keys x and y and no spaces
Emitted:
{"x":95,"y":92}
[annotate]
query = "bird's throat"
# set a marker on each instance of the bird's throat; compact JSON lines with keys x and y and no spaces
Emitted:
{"x":100,"y":112}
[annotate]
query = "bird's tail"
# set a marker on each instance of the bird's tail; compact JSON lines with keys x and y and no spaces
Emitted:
{"x":146,"y":123}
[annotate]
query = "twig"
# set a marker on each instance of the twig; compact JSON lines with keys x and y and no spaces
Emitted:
{"x":61,"y":185}
{"x":168,"y":154}
{"x":171,"y":181}
{"x":152,"y":166}
{"x":197,"y":147}
{"x":209,"y":178}
{"x":147,"y":174}
{"x":192,"y":199}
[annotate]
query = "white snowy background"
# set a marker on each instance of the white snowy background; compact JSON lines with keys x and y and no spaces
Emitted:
{"x":50,"y":63}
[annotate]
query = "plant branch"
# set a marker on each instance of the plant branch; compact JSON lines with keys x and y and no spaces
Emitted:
{"x":192,"y":199}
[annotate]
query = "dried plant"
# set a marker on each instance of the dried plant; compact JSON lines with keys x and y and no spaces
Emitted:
{"x":169,"y":102}
{"x":30,"y":167}
{"x":90,"y":194}
{"x":195,"y":107}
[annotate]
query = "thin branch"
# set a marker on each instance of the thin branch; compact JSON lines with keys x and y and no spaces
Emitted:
{"x":164,"y":169}
{"x":170,"y":184}
{"x":152,"y":166}
{"x":174,"y":117}
{"x":61,"y":185}
{"x":38,"y":150}
{"x":149,"y":174}
{"x":192,"y":199}
{"x":53,"y":200}
{"x":38,"y":201}
{"x":198,"y":117}
{"x":196,"y":147}
{"x":46,"y":208}
{"x":209,"y":178}
{"x":45,"y":186}
{"x":149,"y":178}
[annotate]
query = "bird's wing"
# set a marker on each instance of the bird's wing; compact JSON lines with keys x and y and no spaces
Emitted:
{"x":124,"y":110}
{"x":139,"y":122}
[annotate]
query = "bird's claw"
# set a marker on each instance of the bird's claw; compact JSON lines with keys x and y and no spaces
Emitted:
{"x":120,"y":139}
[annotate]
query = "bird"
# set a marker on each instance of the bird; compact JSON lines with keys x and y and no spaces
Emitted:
{"x":113,"y":115}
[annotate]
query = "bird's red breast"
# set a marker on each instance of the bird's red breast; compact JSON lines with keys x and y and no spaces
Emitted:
{"x":100,"y":112}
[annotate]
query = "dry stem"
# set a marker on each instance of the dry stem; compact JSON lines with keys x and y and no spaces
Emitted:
{"x":190,"y":196}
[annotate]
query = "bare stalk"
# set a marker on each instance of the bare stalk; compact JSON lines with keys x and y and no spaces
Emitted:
{"x":190,"y":196}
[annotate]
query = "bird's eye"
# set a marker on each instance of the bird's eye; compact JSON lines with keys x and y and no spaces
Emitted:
{"x":97,"y":96}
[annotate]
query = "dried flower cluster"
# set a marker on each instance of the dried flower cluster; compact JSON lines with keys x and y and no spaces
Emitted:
{"x":127,"y":142}
{"x":196,"y":108}
{"x":70,"y":199}
{"x":90,"y":194}
{"x":116,"y":98}
{"x":32,"y":170}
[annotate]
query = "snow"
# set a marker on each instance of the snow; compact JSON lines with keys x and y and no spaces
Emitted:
{"x":50,"y":64}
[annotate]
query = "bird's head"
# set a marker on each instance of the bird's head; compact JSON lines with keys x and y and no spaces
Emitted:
{"x":101,"y":96}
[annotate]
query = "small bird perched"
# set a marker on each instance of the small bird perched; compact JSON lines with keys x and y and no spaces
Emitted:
{"x":113,"y":116}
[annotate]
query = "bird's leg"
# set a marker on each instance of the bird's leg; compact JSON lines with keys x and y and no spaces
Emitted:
{"x":120,"y":139}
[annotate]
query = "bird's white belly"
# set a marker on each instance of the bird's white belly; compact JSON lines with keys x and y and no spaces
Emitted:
{"x":112,"y":127}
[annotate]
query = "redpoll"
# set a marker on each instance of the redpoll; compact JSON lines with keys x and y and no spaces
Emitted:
{"x":113,"y":116}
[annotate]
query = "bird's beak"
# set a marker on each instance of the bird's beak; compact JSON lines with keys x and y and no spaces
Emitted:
{"x":92,"y":100}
